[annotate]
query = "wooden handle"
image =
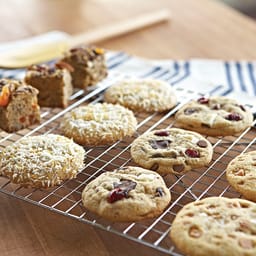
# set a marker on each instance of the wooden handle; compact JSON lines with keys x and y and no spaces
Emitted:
{"x":123,"y":27}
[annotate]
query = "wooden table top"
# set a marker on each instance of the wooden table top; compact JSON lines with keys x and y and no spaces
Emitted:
{"x":199,"y":28}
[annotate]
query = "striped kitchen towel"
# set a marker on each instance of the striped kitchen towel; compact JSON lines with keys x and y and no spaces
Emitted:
{"x":236,"y":79}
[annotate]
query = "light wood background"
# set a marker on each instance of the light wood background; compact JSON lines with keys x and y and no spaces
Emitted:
{"x":199,"y":28}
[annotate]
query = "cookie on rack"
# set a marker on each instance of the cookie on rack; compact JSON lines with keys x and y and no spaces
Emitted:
{"x":99,"y":124}
{"x":142,"y":95}
{"x":216,"y":226}
{"x":127,"y":194}
{"x":215,"y":116}
{"x":241,"y":174}
{"x":171,"y":150}
{"x":41,"y":161}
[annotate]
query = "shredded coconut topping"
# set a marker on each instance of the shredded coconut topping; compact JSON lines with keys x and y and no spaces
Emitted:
{"x":144,"y":94}
{"x":99,"y":121}
{"x":45,"y":159}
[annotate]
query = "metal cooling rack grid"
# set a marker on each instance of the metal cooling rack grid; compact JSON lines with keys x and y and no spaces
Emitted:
{"x":66,"y":198}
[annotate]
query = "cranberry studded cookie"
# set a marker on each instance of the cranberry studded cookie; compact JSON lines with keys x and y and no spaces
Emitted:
{"x":216,"y":226}
{"x":140,"y":95}
{"x":99,"y":124}
{"x":127,"y":194}
{"x":171,"y":151}
{"x":41,"y":161}
{"x":241,"y":174}
{"x":216,"y":116}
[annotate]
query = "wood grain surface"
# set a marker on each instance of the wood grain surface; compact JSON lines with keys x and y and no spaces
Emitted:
{"x":199,"y":28}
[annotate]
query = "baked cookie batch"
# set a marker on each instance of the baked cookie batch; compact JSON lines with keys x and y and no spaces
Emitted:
{"x":131,"y":193}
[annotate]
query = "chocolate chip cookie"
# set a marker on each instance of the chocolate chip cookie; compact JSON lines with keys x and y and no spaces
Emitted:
{"x":142,"y":95}
{"x":216,"y":116}
{"x":241,"y":174}
{"x":216,"y":226}
{"x":127,"y":194}
{"x":171,"y":150}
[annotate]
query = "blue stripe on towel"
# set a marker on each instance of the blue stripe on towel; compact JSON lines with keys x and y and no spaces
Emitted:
{"x":119,"y":62}
{"x":164,"y":72}
{"x":252,"y":76}
{"x":176,"y":68}
{"x":229,"y":79}
{"x":114,"y":56}
{"x":168,"y":75}
{"x":240,"y":76}
{"x":151,"y":71}
{"x":185,"y":75}
{"x":214,"y":90}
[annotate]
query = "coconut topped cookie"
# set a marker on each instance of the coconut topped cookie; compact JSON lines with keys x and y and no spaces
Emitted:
{"x":41,"y":161}
{"x":142,"y":95}
{"x":99,"y":124}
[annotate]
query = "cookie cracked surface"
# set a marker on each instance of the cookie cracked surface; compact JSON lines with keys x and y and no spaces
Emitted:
{"x":216,"y":116}
{"x":171,"y":150}
{"x":241,"y":174}
{"x":216,"y":226}
{"x":127,"y":194}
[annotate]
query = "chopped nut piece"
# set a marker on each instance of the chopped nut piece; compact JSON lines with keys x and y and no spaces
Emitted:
{"x":195,"y":232}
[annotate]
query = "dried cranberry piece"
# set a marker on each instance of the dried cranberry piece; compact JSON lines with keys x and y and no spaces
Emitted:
{"x":162,"y":133}
{"x":192,"y":153}
{"x":203,"y":100}
{"x":115,"y":195}
{"x":233,"y":117}
{"x":121,"y":190}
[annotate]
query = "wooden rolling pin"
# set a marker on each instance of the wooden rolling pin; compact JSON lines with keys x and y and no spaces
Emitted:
{"x":41,"y":52}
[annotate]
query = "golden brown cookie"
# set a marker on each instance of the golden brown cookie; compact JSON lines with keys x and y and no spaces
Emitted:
{"x":171,"y":151}
{"x":127,"y":194}
{"x":41,"y":161}
{"x":216,"y":116}
{"x":148,"y":95}
{"x":99,"y":124}
{"x":241,"y":174}
{"x":216,"y":226}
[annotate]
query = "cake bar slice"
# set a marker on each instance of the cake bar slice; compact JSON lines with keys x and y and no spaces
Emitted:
{"x":54,"y":84}
{"x":88,"y":63}
{"x":18,"y":105}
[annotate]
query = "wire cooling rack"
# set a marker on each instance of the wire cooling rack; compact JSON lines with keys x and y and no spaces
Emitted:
{"x":66,"y":198}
